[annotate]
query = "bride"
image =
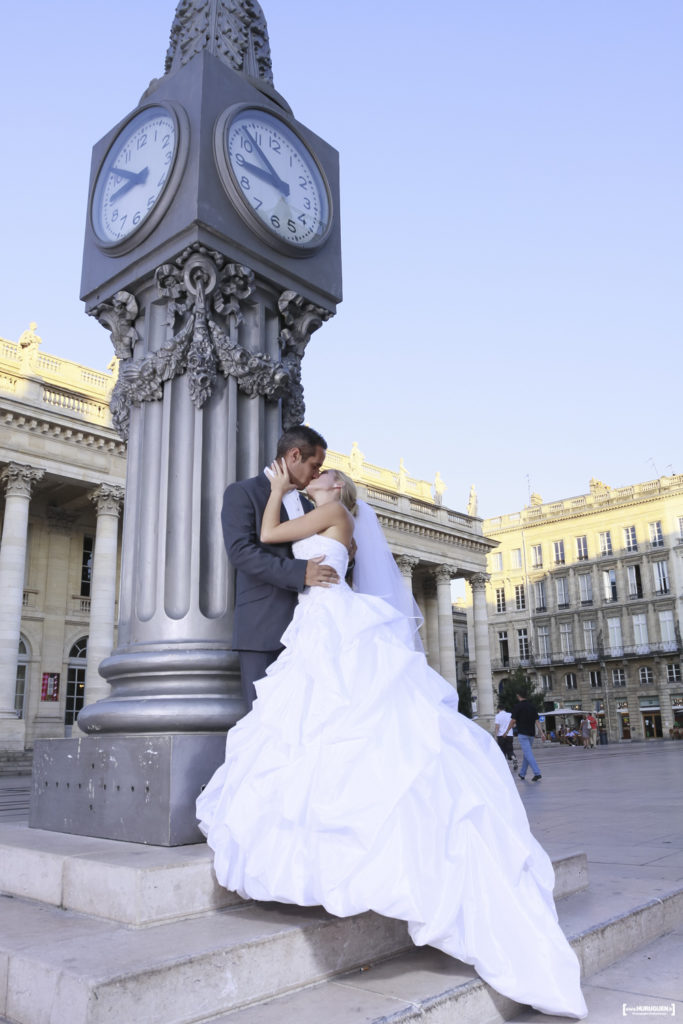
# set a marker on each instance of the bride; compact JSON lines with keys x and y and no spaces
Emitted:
{"x":355,"y":784}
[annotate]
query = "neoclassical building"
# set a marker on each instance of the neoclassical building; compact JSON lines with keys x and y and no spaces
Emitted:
{"x":586,"y":594}
{"x":62,"y":477}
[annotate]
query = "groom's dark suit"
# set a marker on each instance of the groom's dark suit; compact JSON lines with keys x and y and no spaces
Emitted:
{"x":268,"y":579}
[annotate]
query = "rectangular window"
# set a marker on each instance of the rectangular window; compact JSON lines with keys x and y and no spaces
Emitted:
{"x":618,"y":677}
{"x":20,"y":691}
{"x":667,"y":628}
{"x":680,"y":527}
{"x":661,"y":577}
{"x":516,"y":558}
{"x":86,"y":565}
{"x":520,"y":597}
{"x":630,"y":542}
{"x":673,"y":673}
{"x":646,"y":676}
{"x":609,"y":584}
{"x":503,"y":647}
{"x":616,"y":643}
{"x":570,"y":681}
{"x":500,"y":599}
{"x":595,"y":678}
{"x":590,"y":637}
{"x":546,"y":683}
{"x":558,"y":549}
{"x":466,"y":643}
{"x":656,"y":535}
{"x":562,"y":592}
{"x":536,"y":556}
{"x":635,"y":586}
{"x":640,"y":637}
{"x":543,"y":636}
{"x":582,"y":548}
{"x":539,"y":593}
{"x":586,"y":587}
{"x":606,"y":543}
{"x":523,"y":643}
{"x":566,"y":639}
{"x":497,"y":558}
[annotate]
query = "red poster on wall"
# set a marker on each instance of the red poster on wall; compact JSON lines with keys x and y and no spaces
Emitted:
{"x":50,"y":690}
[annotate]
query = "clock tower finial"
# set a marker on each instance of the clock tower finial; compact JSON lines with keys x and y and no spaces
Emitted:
{"x":235,"y":31}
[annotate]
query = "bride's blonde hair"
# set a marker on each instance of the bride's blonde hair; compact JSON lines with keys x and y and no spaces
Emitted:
{"x":349,"y":495}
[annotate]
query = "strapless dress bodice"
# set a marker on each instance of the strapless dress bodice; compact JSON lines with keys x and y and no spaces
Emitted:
{"x":334,"y":551}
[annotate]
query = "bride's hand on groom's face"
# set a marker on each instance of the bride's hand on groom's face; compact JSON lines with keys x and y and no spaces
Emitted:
{"x":279,"y":477}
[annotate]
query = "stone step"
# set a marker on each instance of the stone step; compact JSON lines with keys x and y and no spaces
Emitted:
{"x":425,"y":984}
{"x":143,"y":885}
{"x":16,"y":762}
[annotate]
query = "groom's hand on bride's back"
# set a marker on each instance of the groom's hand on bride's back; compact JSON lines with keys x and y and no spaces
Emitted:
{"x":319,"y":575}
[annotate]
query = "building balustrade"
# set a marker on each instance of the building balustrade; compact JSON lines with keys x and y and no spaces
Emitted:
{"x":566,"y":658}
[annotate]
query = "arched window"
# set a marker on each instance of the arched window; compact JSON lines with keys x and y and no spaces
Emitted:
{"x":75,"y":680}
{"x":22,"y":672}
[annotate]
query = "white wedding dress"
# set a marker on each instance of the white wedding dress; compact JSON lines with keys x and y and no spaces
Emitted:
{"x":355,"y":784}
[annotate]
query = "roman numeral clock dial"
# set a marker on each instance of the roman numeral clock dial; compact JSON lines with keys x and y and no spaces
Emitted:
{"x":273,"y":179}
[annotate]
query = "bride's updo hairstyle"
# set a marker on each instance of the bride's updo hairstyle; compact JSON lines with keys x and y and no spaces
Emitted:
{"x":349,"y":495}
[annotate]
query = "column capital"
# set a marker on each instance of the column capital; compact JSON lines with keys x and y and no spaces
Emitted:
{"x":406,"y":564}
{"x":478,"y":580}
{"x":443,"y":573}
{"x":107,"y":498}
{"x":20,"y":480}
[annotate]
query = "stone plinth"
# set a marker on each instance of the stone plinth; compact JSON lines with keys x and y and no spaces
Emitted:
{"x":140,"y":789}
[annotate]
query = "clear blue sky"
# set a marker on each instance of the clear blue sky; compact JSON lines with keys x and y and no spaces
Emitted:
{"x":512,"y":220}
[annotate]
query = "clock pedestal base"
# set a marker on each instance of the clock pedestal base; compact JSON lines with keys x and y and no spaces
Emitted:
{"x":138,"y":789}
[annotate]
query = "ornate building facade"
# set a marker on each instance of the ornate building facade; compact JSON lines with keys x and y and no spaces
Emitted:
{"x":62,"y":474}
{"x":586,"y":594}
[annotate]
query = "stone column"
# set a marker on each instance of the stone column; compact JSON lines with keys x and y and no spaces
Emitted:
{"x":431,"y":623}
{"x":107,"y":499}
{"x":443,"y":575}
{"x":19,"y":482}
{"x":482,"y":650}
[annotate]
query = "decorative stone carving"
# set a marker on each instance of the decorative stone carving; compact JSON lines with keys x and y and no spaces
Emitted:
{"x":233,"y":30}
{"x":473,"y":502}
{"x":439,"y":488}
{"x":301,"y":319}
{"x":406,"y":564}
{"x":29,"y":343}
{"x":20,"y":480}
{"x":444,"y":574}
{"x":119,"y":317}
{"x":478,"y":580}
{"x":107,"y":499}
{"x":203,"y":292}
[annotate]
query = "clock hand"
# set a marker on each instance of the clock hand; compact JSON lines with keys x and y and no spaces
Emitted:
{"x":281,"y":185}
{"x":272,"y":179}
{"x":134,"y":178}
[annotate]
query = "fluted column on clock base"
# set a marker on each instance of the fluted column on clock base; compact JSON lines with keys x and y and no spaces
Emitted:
{"x":482,"y":651}
{"x":209,"y":375}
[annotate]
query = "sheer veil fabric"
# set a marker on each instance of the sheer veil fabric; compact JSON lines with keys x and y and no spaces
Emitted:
{"x":355,"y":784}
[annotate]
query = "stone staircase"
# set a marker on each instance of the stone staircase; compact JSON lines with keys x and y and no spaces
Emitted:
{"x":94,"y":931}
{"x":16,"y":762}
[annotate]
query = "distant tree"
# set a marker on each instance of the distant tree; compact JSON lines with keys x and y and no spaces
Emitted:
{"x":464,"y":698}
{"x":518,"y":682}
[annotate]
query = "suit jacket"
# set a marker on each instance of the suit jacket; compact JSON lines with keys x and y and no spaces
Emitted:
{"x":268,"y":578}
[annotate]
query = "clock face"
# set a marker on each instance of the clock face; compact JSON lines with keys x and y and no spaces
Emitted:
{"x":273,"y":178}
{"x":134,"y":174}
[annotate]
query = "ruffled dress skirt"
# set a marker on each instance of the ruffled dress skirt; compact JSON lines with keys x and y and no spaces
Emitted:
{"x":355,"y":784}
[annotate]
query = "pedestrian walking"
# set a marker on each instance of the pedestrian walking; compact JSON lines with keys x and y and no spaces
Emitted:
{"x":525,"y":719}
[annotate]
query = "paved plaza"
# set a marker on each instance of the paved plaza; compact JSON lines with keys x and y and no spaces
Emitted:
{"x":622,"y":806}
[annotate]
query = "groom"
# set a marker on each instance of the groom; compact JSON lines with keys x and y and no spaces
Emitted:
{"x":268,"y":578}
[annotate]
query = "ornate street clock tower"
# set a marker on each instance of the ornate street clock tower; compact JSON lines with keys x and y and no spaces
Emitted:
{"x":212,"y":252}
